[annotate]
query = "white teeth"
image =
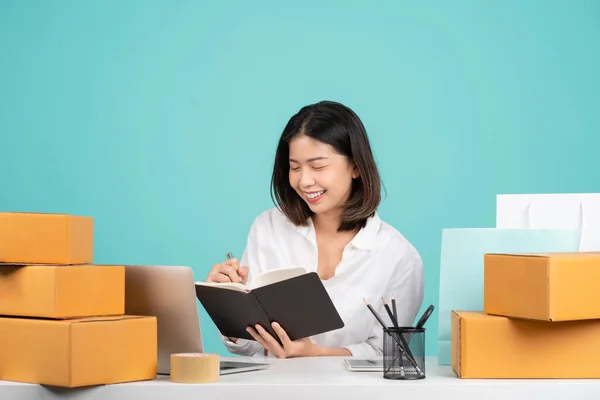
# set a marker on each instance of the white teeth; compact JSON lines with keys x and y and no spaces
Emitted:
{"x":313,"y":195}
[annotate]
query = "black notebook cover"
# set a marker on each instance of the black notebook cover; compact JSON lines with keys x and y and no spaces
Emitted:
{"x":301,"y":305}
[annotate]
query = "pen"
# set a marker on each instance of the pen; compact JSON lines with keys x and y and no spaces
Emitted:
{"x":422,"y":320}
{"x":400,"y":347}
{"x":375,"y":314}
{"x":392,"y":316}
{"x":402,"y":338}
{"x":425,"y":317}
{"x":229,"y":256}
{"x":394,"y":308}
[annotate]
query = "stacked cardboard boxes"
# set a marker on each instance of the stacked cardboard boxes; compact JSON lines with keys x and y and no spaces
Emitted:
{"x":62,"y":319}
{"x":541,"y":319}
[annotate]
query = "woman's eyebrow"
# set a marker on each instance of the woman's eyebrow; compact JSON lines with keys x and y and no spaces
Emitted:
{"x":310,"y":159}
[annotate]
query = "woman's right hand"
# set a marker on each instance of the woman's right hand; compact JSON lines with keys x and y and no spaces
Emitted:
{"x":228,"y":271}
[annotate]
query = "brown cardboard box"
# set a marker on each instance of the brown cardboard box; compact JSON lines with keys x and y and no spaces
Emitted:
{"x":550,"y":287}
{"x":38,"y":238}
{"x":79,"y":352}
{"x":487,"y":346}
{"x":73,"y":291}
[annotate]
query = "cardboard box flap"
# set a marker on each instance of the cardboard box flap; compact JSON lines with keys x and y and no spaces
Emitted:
{"x":471,"y":314}
{"x":456,"y":354}
{"x":13,"y":264}
{"x":103,"y":318}
{"x":34,"y":213}
{"x":549,"y":255}
{"x":544,"y":255}
{"x":459,"y":340}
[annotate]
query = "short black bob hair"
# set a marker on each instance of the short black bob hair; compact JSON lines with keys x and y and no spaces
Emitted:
{"x":337,"y":125}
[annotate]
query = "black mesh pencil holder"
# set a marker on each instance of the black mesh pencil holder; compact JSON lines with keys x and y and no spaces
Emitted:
{"x":404,"y":353}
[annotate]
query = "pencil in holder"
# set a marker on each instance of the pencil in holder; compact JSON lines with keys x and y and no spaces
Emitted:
{"x":404,"y":353}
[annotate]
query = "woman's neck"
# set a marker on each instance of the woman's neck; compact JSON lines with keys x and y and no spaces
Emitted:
{"x":327,"y":223}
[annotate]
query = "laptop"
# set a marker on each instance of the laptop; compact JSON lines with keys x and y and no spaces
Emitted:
{"x":168,"y":292}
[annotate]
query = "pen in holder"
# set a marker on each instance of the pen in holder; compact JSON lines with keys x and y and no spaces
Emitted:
{"x":403,"y":353}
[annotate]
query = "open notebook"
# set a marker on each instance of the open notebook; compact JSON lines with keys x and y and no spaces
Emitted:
{"x":293,"y":297}
{"x":266,"y":278}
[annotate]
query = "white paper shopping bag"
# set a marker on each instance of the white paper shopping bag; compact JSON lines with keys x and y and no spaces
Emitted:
{"x":579,"y":211}
{"x":462,"y":267}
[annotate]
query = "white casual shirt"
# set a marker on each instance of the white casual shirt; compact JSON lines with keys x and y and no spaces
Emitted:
{"x":377,"y":263}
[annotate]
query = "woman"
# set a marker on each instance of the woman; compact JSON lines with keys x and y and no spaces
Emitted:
{"x":327,"y":189}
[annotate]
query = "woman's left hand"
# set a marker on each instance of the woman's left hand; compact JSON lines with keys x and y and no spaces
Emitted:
{"x":298,"y":348}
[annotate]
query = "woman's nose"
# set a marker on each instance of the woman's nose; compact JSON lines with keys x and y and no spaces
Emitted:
{"x":306,"y":179}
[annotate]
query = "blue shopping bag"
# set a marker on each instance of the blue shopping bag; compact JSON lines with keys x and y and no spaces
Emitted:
{"x":461,"y":267}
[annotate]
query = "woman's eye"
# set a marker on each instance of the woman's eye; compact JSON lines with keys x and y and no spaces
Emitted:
{"x":295,"y":169}
{"x":319,"y":167}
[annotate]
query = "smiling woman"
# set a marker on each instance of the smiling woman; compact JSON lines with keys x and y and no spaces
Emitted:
{"x":326,"y":189}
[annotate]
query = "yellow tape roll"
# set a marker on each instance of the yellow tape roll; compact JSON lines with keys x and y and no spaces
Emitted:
{"x":195,"y":368}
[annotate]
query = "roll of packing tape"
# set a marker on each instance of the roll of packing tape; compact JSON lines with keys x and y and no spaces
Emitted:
{"x":195,"y":368}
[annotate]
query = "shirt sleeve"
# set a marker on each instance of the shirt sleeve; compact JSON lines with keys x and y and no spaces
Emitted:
{"x":243,"y":347}
{"x":407,"y":287}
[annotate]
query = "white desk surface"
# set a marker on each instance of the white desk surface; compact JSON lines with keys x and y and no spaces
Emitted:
{"x":319,"y":378}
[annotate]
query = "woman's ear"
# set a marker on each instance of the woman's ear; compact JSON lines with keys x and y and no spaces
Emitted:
{"x":355,"y":173}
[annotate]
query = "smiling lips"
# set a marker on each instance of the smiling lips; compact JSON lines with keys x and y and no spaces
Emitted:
{"x":314,"y":196}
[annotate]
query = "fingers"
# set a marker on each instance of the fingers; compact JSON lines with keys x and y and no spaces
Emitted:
{"x":227,"y":272}
{"x":243,"y":272}
{"x":234,"y":262}
{"x":231,"y":272}
{"x":231,"y":268}
{"x":259,"y":338}
{"x":271,"y":342}
{"x":218,"y":277}
{"x":285,"y":339}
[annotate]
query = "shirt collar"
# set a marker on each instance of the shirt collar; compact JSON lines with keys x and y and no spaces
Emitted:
{"x":365,"y":239}
{"x":308,"y":230}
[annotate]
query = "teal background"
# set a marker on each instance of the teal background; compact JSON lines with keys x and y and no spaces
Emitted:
{"x":160,"y":118}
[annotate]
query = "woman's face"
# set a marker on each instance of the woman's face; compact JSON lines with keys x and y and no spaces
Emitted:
{"x":320,"y":175}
